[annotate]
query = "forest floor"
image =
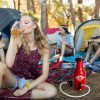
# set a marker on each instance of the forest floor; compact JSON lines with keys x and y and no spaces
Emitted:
{"x":93,"y":80}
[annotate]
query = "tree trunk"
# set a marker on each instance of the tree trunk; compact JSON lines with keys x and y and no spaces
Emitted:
{"x":80,"y":10}
{"x":14,"y":4}
{"x":72,"y":13}
{"x":44,"y":17}
{"x":19,"y":5}
{"x":33,"y":6}
{"x":28,"y":5}
{"x":97,"y":8}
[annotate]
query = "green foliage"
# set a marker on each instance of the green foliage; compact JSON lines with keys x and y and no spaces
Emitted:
{"x":0,"y":3}
{"x":4,"y":3}
{"x":59,"y":12}
{"x":62,"y":12}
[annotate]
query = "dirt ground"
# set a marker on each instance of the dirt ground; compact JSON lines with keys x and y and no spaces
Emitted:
{"x":93,"y":80}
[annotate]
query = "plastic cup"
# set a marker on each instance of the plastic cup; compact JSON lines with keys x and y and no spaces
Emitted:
{"x":16,"y":31}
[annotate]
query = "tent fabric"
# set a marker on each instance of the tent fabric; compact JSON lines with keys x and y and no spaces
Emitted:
{"x":90,"y":26}
{"x":71,"y":59}
{"x":52,"y":30}
{"x":88,"y":34}
{"x":52,"y":38}
{"x":84,"y":31}
{"x":88,"y":30}
{"x":7,"y":16}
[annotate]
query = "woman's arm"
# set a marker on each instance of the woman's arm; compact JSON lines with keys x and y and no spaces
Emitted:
{"x":12,"y":50}
{"x":2,"y":55}
{"x":13,"y":46}
{"x":45,"y":71}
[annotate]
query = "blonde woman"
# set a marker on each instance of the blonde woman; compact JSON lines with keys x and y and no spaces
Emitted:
{"x":22,"y":59}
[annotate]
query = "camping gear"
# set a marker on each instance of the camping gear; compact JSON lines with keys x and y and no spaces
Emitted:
{"x":7,"y":17}
{"x":86,"y":30}
{"x":95,"y":67}
{"x":71,"y":59}
{"x":79,"y":79}
{"x":79,"y":75}
{"x":67,"y":65}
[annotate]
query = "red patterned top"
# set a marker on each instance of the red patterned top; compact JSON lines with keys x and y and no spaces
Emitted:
{"x":26,"y":65}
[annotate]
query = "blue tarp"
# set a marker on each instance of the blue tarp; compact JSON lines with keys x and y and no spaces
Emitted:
{"x":71,"y":59}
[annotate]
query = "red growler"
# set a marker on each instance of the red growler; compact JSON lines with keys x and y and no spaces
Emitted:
{"x":79,"y":75}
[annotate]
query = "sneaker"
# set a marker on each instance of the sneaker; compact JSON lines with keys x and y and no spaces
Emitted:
{"x":93,"y":72}
{"x":86,"y":63}
{"x":67,"y":65}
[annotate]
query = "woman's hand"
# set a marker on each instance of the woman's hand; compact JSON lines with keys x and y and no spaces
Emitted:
{"x":14,"y":25}
{"x":21,"y":91}
{"x":56,"y":57}
{"x":16,"y":30}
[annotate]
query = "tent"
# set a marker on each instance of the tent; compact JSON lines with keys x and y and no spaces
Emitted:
{"x":85,"y":31}
{"x":52,"y":35}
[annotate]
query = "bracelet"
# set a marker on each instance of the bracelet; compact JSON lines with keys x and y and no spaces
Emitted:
{"x":28,"y":85}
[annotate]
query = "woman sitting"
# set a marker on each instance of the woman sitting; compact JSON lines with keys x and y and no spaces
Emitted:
{"x":24,"y":52}
{"x":64,"y":43}
{"x":94,"y":45}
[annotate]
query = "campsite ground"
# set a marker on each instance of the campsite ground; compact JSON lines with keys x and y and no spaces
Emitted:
{"x":93,"y":80}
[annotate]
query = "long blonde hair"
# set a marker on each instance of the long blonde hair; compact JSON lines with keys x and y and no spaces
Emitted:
{"x":39,"y":38}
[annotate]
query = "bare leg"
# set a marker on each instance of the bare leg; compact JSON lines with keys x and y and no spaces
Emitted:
{"x":7,"y":79}
{"x":96,"y":55}
{"x":43,"y":91}
{"x":68,"y":50}
{"x":89,"y":52}
{"x":1,"y":73}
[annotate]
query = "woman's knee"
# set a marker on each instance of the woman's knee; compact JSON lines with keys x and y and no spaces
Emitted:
{"x":91,"y":45}
{"x":51,"y":90}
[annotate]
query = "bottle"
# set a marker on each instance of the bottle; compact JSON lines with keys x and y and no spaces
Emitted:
{"x":79,"y":75}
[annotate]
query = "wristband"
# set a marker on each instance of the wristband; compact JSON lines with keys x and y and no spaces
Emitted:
{"x":28,"y":84}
